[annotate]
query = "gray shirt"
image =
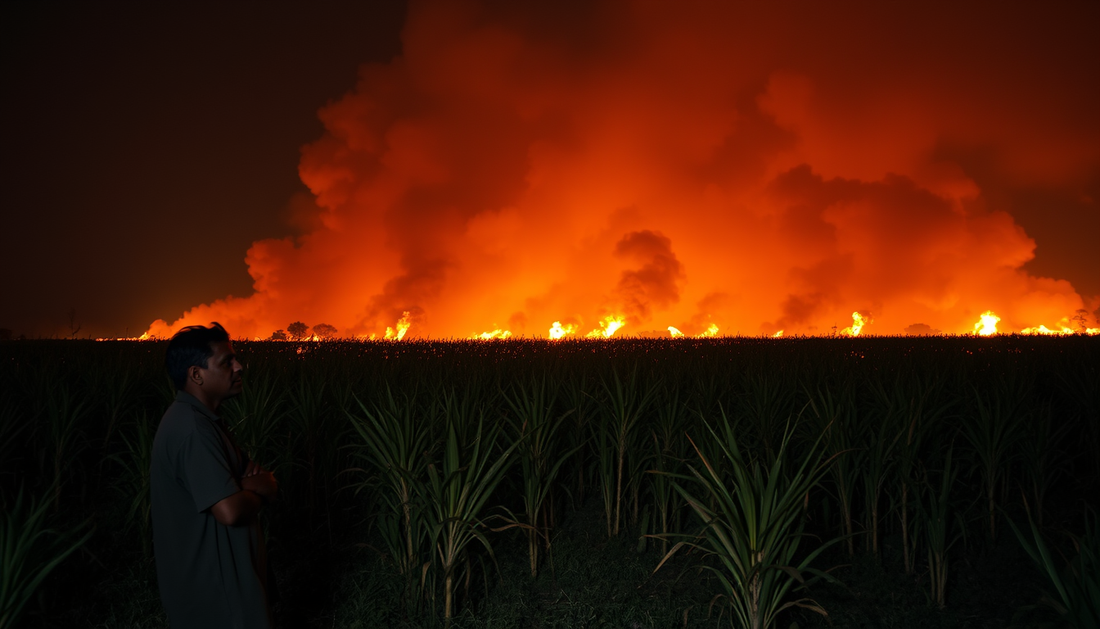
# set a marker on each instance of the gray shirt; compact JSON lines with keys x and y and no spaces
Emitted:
{"x":210,"y":575}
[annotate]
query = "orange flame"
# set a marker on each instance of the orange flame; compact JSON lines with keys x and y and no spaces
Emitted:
{"x":709,"y":332}
{"x":608,"y":326}
{"x":557,"y":330}
{"x":1042,"y":329}
{"x":674,"y":332}
{"x":495,"y":334}
{"x":403,"y":325}
{"x":858,"y":321}
{"x":778,"y":334}
{"x":987,"y":325}
{"x":143,"y":337}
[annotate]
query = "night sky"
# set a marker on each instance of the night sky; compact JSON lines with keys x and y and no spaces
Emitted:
{"x":148,"y":145}
{"x":490,"y":165}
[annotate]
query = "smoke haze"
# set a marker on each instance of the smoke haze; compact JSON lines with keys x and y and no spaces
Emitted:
{"x":760,"y":168}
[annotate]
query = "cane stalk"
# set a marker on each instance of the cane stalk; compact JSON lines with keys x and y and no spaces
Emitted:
{"x":752,"y":522}
{"x":457,"y":492}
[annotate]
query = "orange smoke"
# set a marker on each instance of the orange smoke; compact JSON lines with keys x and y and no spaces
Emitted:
{"x":703,"y":166}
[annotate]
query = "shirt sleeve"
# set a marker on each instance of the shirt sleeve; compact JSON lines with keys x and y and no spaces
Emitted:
{"x":206,"y":469}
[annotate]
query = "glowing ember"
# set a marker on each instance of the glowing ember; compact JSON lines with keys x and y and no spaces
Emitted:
{"x":495,"y":334}
{"x":402,"y":327}
{"x":987,"y":325}
{"x":557,"y":331}
{"x":674,"y":332}
{"x":608,"y":326}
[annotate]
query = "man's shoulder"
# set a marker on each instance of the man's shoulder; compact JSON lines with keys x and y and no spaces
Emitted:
{"x":182,"y":420}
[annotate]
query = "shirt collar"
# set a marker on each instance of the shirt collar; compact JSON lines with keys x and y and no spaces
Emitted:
{"x":187,"y":398}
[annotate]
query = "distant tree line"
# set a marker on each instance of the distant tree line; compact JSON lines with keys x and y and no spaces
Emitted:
{"x":298,"y":331}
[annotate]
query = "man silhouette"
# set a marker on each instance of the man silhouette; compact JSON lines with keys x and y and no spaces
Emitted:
{"x":206,"y":495}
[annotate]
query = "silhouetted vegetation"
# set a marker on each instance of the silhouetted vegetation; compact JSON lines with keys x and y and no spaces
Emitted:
{"x":542,"y":483}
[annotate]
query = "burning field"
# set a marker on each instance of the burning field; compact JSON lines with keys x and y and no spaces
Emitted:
{"x":589,"y":314}
{"x":577,"y":169}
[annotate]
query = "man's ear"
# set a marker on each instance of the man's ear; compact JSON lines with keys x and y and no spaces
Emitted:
{"x":194,"y":375}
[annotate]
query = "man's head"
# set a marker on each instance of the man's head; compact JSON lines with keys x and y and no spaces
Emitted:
{"x":201,"y":361}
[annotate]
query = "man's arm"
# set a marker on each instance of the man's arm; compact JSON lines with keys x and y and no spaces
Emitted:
{"x":257,"y":486}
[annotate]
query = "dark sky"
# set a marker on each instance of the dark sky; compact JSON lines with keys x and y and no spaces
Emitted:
{"x":757,"y":167}
{"x":149,"y":144}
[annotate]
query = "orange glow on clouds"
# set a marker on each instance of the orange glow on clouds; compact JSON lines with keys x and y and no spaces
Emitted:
{"x":688,"y":167}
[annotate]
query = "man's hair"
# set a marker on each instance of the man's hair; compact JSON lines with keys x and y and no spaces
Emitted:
{"x":191,"y":347}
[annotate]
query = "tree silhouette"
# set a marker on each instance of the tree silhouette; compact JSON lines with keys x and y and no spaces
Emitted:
{"x":324,"y":330}
{"x":1081,"y":318}
{"x":297,"y":329}
{"x":278,"y":335}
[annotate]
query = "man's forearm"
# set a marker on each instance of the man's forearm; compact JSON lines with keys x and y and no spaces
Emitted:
{"x":239,"y":509}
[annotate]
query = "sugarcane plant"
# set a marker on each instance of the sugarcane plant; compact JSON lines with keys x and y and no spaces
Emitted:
{"x":994,"y":429}
{"x":29,"y":551}
{"x":536,"y":427}
{"x":942,"y":522}
{"x":457,"y":493}
{"x":1075,"y":580}
{"x":834,"y":417}
{"x":921,"y":412}
{"x":625,"y":401}
{"x":668,"y":444}
{"x":879,"y":442}
{"x":396,"y":442}
{"x":752,"y":522}
{"x":132,"y":484}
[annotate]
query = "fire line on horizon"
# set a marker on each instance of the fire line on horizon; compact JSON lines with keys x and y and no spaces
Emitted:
{"x":634,"y":170}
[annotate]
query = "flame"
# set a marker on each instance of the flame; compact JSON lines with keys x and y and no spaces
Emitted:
{"x":402,"y":327}
{"x":608,"y":326}
{"x":1063,"y":327}
{"x":495,"y":334}
{"x":1042,"y":329}
{"x":777,"y":334}
{"x":709,"y":332}
{"x":557,"y":331}
{"x":143,"y":337}
{"x":858,"y":321}
{"x":674,"y":332}
{"x":987,"y":325}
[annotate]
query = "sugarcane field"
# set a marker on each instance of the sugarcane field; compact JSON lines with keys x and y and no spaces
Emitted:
{"x":940,"y":481}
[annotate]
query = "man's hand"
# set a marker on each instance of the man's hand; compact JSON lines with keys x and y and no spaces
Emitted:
{"x":242,"y":507}
{"x":261,"y":481}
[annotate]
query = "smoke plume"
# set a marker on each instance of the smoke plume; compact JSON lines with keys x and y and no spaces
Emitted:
{"x":757,"y":167}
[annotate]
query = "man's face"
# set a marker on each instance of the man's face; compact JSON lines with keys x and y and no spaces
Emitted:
{"x":221,"y":379}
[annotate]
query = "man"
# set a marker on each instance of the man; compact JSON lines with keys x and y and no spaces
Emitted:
{"x":206,"y":495}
